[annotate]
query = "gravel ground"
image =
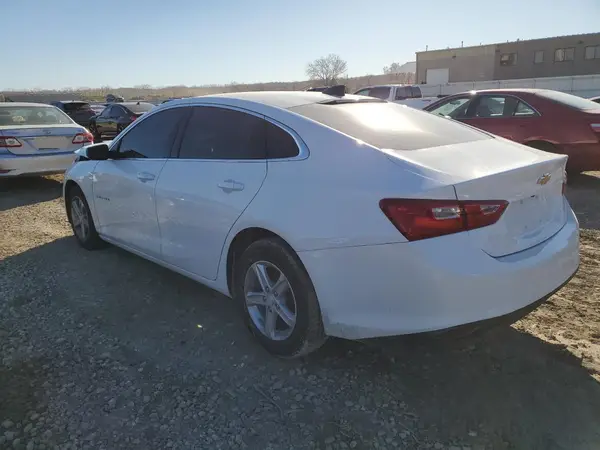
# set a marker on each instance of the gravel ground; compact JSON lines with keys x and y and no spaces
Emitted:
{"x":103,"y":350}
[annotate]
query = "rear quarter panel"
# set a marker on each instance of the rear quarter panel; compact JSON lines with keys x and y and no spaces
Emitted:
{"x":331,"y":199}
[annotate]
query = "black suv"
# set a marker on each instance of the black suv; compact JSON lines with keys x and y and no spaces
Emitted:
{"x":80,"y":111}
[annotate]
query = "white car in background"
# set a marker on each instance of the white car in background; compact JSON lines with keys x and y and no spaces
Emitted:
{"x":409,"y":95}
{"x":331,"y":216}
{"x":37,"y":139}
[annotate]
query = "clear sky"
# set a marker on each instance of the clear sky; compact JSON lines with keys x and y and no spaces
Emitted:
{"x":118,"y":43}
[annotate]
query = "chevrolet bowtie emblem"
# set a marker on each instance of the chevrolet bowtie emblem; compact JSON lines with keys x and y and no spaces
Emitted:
{"x":544,"y":179}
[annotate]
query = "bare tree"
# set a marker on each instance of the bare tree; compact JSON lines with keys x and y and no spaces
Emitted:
{"x":327,"y":69}
{"x":392,"y":68}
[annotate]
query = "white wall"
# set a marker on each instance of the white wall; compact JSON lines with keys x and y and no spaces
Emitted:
{"x":583,"y":86}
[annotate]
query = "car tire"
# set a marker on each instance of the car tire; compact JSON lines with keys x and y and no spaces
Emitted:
{"x":81,"y":220}
{"x":120,"y":128}
{"x":299,"y":299}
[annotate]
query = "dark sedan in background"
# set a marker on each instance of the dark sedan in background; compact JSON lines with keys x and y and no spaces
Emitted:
{"x":552,"y":121}
{"x":116,"y":117}
{"x":80,"y":111}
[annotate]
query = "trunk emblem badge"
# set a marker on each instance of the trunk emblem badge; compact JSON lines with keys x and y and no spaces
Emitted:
{"x":544,"y":179}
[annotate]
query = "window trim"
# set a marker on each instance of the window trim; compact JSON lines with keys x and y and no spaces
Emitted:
{"x":303,"y":151}
{"x":116,"y":144}
{"x":564,"y":52}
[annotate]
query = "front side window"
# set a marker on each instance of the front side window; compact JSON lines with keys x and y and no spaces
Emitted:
{"x":220,"y":133}
{"x":381,"y":92}
{"x":402,"y":93}
{"x":455,"y":108}
{"x":152,"y":137}
{"x":416,"y":92}
{"x":33,"y":115}
{"x":106,"y":112}
{"x":564,"y":54}
{"x":362,"y":92}
{"x":490,"y":106}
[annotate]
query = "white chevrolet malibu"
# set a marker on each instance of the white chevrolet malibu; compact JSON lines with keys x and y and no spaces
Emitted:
{"x":37,"y":139}
{"x":331,"y":216}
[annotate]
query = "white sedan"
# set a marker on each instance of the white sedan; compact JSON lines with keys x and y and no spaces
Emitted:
{"x":37,"y":139}
{"x":331,"y":216}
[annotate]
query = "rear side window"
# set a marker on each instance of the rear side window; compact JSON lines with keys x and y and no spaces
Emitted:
{"x":153,"y":137}
{"x":280,"y":144}
{"x":390,"y":125}
{"x":138,"y":108}
{"x":569,"y":100}
{"x":220,"y":133}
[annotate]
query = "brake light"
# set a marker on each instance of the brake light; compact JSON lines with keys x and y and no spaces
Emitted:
{"x":133,"y":118}
{"x":10,"y":142}
{"x":82,"y":138}
{"x":423,"y":219}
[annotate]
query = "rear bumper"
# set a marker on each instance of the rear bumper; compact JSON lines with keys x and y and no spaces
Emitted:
{"x":14,"y":166}
{"x":435,"y":284}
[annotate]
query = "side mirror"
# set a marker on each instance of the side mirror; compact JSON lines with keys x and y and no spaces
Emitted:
{"x":97,"y":152}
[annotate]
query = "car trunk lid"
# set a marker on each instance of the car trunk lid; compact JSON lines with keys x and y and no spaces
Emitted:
{"x":36,"y":140}
{"x":530,"y":180}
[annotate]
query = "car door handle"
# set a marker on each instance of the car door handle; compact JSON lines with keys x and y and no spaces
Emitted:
{"x":145,"y":176}
{"x":229,"y":186}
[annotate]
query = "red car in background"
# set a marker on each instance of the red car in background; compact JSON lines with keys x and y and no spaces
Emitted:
{"x":547,"y":120}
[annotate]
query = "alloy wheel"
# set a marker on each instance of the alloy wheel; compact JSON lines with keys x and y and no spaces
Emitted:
{"x":270,"y":300}
{"x":80,"y":219}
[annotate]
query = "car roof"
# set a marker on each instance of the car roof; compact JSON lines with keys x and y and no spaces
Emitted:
{"x":277,"y":99}
{"x":131,"y":103}
{"x":71,"y":101}
{"x":389,"y":85}
{"x":21,"y":104}
{"x":503,"y":90}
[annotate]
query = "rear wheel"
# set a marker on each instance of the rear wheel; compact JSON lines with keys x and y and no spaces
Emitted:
{"x":81,"y":220}
{"x":279,"y":301}
{"x":120,"y":128}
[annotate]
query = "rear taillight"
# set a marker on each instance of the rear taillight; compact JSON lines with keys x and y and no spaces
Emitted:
{"x":82,"y":138}
{"x":422,"y":219}
{"x":133,"y":118}
{"x":10,"y":142}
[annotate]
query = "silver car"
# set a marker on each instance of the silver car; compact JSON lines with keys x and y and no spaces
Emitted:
{"x":37,"y":139}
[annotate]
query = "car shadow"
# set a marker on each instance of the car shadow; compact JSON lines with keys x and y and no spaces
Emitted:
{"x":30,"y":190}
{"x":583,"y":192}
{"x":503,"y":390}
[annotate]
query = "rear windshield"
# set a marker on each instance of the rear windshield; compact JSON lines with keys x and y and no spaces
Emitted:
{"x":32,"y":115}
{"x":390,"y":126}
{"x":76,"y":106}
{"x":140,"y":108}
{"x":569,"y":100}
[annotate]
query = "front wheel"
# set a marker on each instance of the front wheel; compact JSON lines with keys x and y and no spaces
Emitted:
{"x":81,"y":220}
{"x":279,"y":301}
{"x":94,"y":130}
